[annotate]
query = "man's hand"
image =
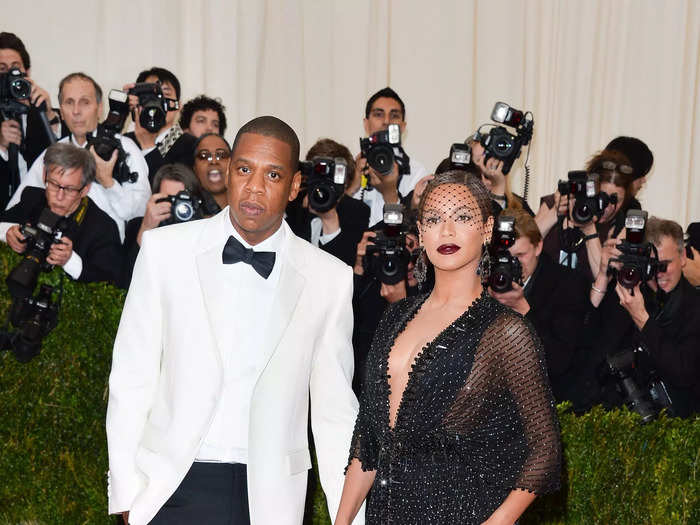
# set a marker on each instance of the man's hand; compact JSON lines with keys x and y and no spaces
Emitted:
{"x":15,"y":239}
{"x":156,"y":212}
{"x":514,"y":298}
{"x":387,"y":185}
{"x":393,"y":292}
{"x":60,"y":252}
{"x":610,"y":251}
{"x":360,"y":169}
{"x":105,"y":168}
{"x":39,"y":95}
{"x":419,"y":189}
{"x":362,"y":250}
{"x":125,"y":517}
{"x":691,"y":270}
{"x":10,"y":133}
{"x":633,"y":302}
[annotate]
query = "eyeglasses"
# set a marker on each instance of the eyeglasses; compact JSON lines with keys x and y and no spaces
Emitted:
{"x":207,"y":155}
{"x":55,"y":187}
{"x":622,"y":168}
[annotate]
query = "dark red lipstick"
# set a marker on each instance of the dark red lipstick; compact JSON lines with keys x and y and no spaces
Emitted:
{"x":448,"y":249}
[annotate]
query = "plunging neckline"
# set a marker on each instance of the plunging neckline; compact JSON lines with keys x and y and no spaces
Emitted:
{"x":419,"y":357}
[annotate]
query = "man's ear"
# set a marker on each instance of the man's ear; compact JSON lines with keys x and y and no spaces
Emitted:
{"x":538,"y":248}
{"x":228,"y":173}
{"x":85,"y":190}
{"x":296,"y":184}
{"x":365,"y":124}
{"x":402,"y":127}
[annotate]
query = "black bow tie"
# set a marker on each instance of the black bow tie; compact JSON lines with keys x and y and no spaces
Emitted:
{"x":262,"y":262}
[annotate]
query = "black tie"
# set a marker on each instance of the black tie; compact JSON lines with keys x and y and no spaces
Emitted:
{"x":262,"y":262}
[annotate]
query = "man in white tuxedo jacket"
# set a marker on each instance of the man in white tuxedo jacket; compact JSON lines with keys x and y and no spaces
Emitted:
{"x":230,"y":324}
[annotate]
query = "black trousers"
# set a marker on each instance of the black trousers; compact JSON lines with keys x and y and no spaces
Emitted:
{"x":211,"y":493}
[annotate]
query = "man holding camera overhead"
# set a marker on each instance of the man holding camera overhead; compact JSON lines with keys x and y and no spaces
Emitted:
{"x":155,"y":101}
{"x":88,"y":248}
{"x":380,"y":179}
{"x":80,"y":99}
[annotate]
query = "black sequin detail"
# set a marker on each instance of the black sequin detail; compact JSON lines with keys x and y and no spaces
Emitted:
{"x":476,"y":420}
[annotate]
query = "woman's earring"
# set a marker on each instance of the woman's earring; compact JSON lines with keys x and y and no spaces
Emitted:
{"x":484,"y":268}
{"x":420,"y":269}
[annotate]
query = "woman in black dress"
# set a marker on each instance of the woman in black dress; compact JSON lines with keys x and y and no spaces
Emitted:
{"x":457,"y":423}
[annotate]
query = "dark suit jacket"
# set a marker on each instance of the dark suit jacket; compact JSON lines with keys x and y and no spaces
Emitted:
{"x":181,"y":151}
{"x":353,"y":216}
{"x":559,"y":306}
{"x":95,"y":240}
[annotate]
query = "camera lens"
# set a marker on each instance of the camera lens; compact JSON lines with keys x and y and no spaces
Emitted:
{"x":183,"y":211}
{"x":152,"y":116}
{"x":500,"y":280}
{"x":320,"y":197}
{"x":629,"y":276}
{"x":502,"y":146}
{"x":381,"y":159}
{"x":20,"y":88}
{"x":582,"y":211}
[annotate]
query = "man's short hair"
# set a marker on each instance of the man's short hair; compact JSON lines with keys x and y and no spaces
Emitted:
{"x":202,"y":103}
{"x":388,"y":93}
{"x":525,"y":225}
{"x":163,"y":75}
{"x":331,"y":148}
{"x":81,"y":76}
{"x":205,"y":135}
{"x":69,"y":157}
{"x":658,"y":228}
{"x":12,"y":41}
{"x":269,"y":126}
{"x":636,"y":151}
{"x":179,"y":173}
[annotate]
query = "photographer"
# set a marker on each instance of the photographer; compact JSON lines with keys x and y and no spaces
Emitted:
{"x":168,"y":183}
{"x":578,"y":244}
{"x":383,"y":108}
{"x":660,"y":316}
{"x":691,"y":270}
{"x":169,"y":143}
{"x":21,"y":128}
{"x":641,"y":159}
{"x":80,"y":99}
{"x":211,"y":158}
{"x":338,"y":229}
{"x":495,"y":181}
{"x":553,"y":298}
{"x":203,"y":115}
{"x":89,"y":247}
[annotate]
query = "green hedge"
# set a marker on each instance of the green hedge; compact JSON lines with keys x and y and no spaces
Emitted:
{"x":53,"y":457}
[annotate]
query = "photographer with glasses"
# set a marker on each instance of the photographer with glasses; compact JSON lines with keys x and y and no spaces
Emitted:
{"x":173,"y":185}
{"x":211,"y":158}
{"x":577,"y":243}
{"x":89,"y":246}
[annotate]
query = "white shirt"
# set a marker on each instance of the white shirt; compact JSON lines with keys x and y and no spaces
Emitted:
{"x":21,"y":163}
{"x":121,"y":202}
{"x":318,"y":238}
{"x":374,"y":199}
{"x":243,"y":358}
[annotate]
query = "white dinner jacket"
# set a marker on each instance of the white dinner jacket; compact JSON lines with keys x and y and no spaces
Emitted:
{"x":167,"y":375}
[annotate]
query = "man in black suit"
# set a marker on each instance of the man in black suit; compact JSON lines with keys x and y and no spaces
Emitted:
{"x":89,"y":249}
{"x":554,"y":299}
{"x":170,"y":143}
{"x":338,"y":230}
{"x":22,"y":129}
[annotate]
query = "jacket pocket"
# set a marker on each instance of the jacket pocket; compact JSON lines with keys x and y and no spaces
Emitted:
{"x":298,"y":461}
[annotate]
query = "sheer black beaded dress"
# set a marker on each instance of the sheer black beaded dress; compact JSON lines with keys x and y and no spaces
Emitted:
{"x":476,"y":419}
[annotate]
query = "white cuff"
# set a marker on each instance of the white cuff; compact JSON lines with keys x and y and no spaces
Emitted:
{"x":146,"y":151}
{"x":74,"y":265}
{"x":4,"y":155}
{"x":326,"y":238}
{"x":4,"y":226}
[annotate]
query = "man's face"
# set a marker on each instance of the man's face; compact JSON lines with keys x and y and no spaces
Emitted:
{"x":675,"y":259}
{"x":260,"y":183}
{"x":63,"y":189}
{"x":169,"y":92}
{"x":210,"y":162}
{"x":527,"y":253}
{"x":204,"y":121}
{"x":79,"y":106}
{"x":612,"y":209}
{"x":9,"y":58}
{"x":384,"y":111}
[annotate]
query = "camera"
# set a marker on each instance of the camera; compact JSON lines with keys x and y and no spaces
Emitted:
{"x":185,"y":207}
{"x":106,"y":140}
{"x":387,"y":257}
{"x":637,"y":262}
{"x":378,"y":148}
{"x":590,"y":201}
{"x":154,"y":105}
{"x":325,"y":181}
{"x":503,"y":269}
{"x":502,"y":144}
{"x":14,"y":85}
{"x":39,"y":238}
{"x":644,"y":393}
{"x":460,"y":156}
{"x":34,"y":318}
